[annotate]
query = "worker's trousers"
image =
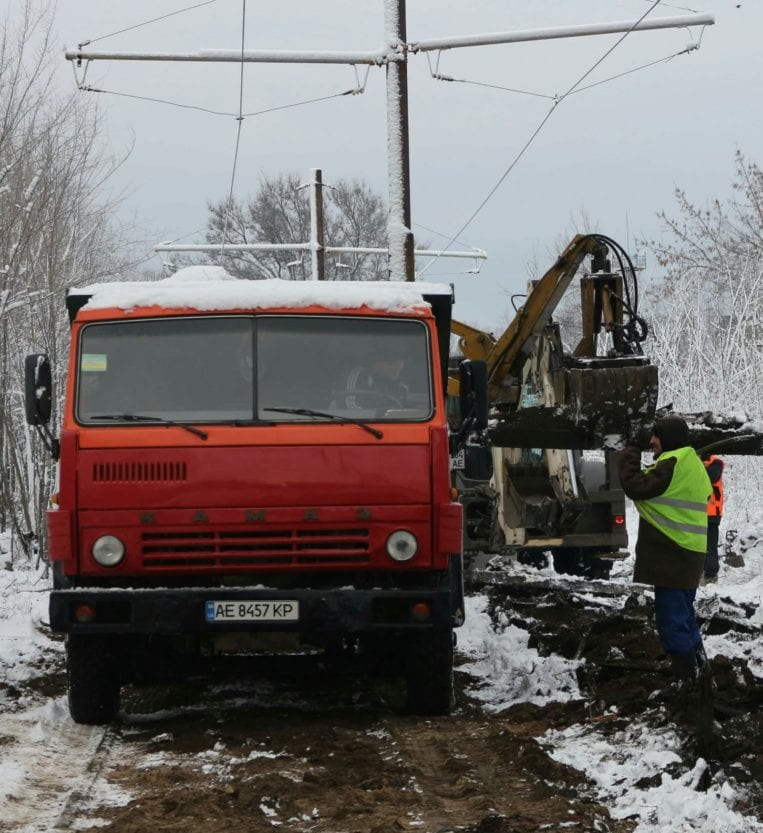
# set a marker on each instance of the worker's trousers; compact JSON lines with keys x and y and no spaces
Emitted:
{"x":676,"y":623}
{"x":711,"y":559}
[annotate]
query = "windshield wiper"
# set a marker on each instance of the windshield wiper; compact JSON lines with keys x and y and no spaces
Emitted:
{"x":140,"y":418}
{"x":310,"y":412}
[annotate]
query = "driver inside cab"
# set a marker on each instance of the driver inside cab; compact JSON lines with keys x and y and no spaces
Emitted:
{"x":376,"y":384}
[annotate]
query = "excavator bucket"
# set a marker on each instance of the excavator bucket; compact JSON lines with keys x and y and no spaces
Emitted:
{"x":603,"y":398}
{"x":615,"y":398}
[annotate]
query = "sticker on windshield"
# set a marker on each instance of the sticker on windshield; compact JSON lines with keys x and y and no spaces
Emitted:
{"x":90,"y":362}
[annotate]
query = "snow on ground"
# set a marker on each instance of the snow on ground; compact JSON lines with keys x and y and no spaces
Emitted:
{"x":42,"y":750}
{"x":617,"y":763}
{"x":24,"y":649}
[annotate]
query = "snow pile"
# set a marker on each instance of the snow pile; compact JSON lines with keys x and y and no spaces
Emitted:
{"x":507,"y":671}
{"x":200,"y":273}
{"x":641,"y":754}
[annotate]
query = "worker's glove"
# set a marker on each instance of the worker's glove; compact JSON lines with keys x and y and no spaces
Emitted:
{"x":640,"y":435}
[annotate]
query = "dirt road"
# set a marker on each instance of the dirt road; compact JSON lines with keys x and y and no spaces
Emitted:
{"x":304,"y":744}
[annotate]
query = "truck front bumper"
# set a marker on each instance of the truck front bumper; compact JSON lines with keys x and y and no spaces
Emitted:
{"x":185,"y":610}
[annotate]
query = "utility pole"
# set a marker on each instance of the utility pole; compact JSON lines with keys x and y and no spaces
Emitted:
{"x":400,"y":236}
{"x":317,"y":247}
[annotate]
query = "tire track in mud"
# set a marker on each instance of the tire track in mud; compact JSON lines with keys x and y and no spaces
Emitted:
{"x":473,"y":772}
{"x":300,"y":764}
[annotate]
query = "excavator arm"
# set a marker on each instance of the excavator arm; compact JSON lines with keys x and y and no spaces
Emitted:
{"x":506,"y":356}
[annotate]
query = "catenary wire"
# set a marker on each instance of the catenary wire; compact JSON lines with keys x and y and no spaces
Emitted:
{"x":90,"y":89}
{"x":147,"y":22}
{"x":534,"y":134}
{"x":442,"y":234}
{"x":673,"y":6}
{"x":239,"y":125}
{"x":667,"y":58}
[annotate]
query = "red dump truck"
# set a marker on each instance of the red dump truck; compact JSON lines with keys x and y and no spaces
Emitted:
{"x":234,"y":463}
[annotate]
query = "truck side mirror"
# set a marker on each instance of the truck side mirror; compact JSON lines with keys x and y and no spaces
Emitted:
{"x":473,"y":395}
{"x":38,"y":389}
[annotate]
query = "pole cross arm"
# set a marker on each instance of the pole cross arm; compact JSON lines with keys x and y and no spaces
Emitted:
{"x":232,"y":56}
{"x":556,"y":32}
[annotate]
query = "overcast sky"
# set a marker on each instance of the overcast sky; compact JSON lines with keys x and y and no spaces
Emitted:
{"x":615,"y":152}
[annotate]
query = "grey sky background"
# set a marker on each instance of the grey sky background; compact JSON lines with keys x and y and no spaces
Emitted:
{"x":615,"y":152}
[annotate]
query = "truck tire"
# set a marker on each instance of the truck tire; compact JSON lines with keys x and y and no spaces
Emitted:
{"x":92,"y":679}
{"x":429,"y":673}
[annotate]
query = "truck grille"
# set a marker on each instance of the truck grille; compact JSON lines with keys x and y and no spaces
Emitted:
{"x":132,"y":472}
{"x":217,"y":548}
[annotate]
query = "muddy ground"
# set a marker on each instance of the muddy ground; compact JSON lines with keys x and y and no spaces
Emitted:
{"x":303,"y":744}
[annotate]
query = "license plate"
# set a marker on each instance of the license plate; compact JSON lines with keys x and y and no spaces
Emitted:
{"x":281,"y":610}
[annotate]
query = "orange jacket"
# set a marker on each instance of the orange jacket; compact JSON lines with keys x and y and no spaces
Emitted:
{"x":714,"y":466}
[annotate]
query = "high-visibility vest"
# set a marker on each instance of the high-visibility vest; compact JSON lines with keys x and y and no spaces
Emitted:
{"x":680,"y":513}
{"x":715,"y":504}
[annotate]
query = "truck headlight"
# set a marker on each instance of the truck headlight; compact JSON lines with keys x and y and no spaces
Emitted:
{"x":402,"y":545}
{"x":108,"y":551}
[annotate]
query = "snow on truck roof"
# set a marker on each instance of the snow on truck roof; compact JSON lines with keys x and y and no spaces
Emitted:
{"x":211,"y":288}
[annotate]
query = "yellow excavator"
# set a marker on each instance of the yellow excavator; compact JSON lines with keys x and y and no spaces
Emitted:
{"x":543,"y":477}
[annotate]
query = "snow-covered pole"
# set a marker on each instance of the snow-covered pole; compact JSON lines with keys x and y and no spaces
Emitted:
{"x":399,"y":234}
{"x":317,"y":250}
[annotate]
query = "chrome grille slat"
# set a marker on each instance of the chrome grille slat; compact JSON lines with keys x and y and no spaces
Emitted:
{"x":214,"y":548}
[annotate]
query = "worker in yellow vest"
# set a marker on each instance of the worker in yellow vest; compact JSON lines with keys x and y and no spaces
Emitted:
{"x":671,"y":497}
{"x":714,"y":467}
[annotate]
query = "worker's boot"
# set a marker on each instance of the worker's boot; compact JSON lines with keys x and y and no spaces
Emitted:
{"x":683,"y":690}
{"x":705,"y":700}
{"x":692,"y":696}
{"x":685,"y":667}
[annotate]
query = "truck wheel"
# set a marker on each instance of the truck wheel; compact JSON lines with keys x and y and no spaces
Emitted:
{"x":429,"y":673}
{"x":92,"y":679}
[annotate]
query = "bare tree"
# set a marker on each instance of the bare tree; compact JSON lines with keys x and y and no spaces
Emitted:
{"x":54,"y":232}
{"x":279,"y":212}
{"x":707,"y":309}
{"x":706,"y":312}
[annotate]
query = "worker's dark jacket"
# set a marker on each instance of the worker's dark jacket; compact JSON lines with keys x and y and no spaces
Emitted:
{"x":659,"y":561}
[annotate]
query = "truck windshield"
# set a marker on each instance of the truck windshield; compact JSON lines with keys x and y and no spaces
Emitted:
{"x":249,"y":369}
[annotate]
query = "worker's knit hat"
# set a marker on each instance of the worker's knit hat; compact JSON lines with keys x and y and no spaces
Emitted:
{"x":673,"y":433}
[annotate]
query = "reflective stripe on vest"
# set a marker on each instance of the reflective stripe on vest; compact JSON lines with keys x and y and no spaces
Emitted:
{"x":680,"y":513}
{"x":715,"y":504}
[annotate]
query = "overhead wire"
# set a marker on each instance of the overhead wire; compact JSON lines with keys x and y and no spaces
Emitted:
{"x":680,"y":8}
{"x":91,"y":89}
{"x":535,"y":133}
{"x":436,"y":74}
{"x":147,"y":22}
{"x":442,"y":234}
{"x":666,"y":59}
